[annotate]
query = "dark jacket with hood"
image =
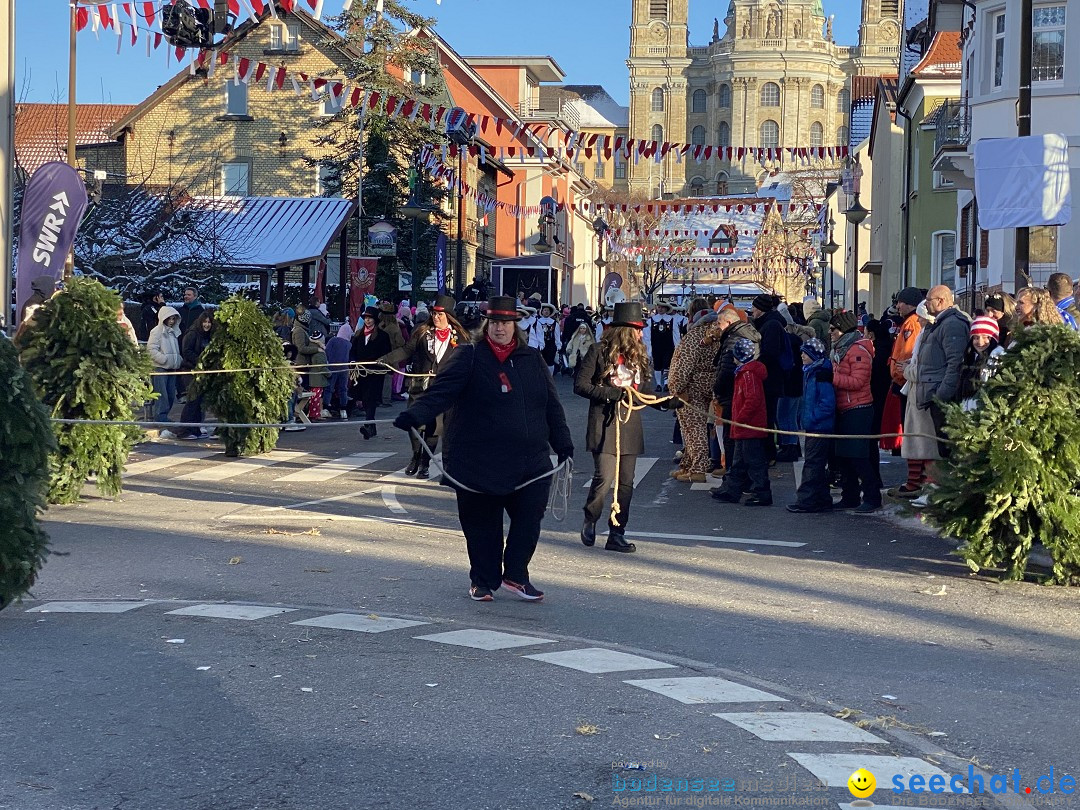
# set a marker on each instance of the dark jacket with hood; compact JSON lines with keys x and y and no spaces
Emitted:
{"x":724,"y":385}
{"x":819,"y":322}
{"x":592,"y":381}
{"x":774,"y":343}
{"x":500,"y":419}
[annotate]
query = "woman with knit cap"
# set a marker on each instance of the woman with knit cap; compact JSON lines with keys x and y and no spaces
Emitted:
{"x":980,"y":358}
{"x":853,"y":358}
{"x":1002,"y":308}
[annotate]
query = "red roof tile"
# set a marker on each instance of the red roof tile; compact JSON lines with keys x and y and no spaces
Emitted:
{"x":943,"y":58}
{"x":41,"y":130}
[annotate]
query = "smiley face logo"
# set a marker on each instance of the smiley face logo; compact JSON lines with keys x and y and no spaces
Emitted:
{"x":862,"y":784}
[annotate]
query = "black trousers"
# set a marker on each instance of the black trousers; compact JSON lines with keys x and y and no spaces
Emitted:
{"x":813,"y":492}
{"x":603,"y":478}
{"x":491,"y":559}
{"x":193,"y":412}
{"x":771,"y":402}
{"x":749,"y":469}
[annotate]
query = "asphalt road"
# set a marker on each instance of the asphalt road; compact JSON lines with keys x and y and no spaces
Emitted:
{"x":869,"y":618}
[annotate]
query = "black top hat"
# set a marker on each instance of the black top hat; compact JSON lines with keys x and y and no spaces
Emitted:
{"x":502,"y":308}
{"x":373,"y":313}
{"x":443,"y":303}
{"x":628,"y":313}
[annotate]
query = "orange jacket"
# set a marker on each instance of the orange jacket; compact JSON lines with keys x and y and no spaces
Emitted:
{"x":903,"y":346}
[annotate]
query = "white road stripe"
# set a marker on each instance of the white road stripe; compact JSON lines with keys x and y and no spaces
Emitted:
{"x":304,"y":515}
{"x":708,"y":538}
{"x":333,"y":468}
{"x":642,"y":469}
{"x":230,"y":468}
{"x":164,"y":462}
{"x":389,"y":496}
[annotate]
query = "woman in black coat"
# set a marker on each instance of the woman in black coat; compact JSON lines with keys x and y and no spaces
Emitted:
{"x":502,"y":415}
{"x":192,"y":345}
{"x":369,"y":343}
{"x":431,"y":345}
{"x":618,"y":361}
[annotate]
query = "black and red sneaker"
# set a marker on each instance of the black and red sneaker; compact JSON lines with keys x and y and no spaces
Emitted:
{"x":479,"y":593}
{"x":526,"y":591}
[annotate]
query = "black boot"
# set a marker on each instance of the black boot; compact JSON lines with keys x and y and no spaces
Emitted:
{"x":414,"y":464}
{"x":365,"y":431}
{"x":588,"y":532}
{"x":423,"y":471}
{"x":616,"y":541}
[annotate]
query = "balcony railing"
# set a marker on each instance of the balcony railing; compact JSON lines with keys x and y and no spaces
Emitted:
{"x":953,"y":126}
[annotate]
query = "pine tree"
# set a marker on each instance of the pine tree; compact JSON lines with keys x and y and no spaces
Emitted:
{"x":1013,"y":475}
{"x":25,"y":442}
{"x":244,"y":339}
{"x":390,"y":38}
{"x":84,"y":366}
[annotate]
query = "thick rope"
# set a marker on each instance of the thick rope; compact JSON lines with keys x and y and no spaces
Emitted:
{"x":357,"y":369}
{"x":567,"y":466}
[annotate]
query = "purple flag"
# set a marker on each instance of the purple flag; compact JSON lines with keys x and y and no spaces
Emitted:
{"x":52,"y":207}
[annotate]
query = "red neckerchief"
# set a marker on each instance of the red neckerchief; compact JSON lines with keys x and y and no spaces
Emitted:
{"x":501,"y":352}
{"x":442,"y":334}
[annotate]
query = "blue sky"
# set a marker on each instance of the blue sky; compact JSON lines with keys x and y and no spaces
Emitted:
{"x":588,"y":40}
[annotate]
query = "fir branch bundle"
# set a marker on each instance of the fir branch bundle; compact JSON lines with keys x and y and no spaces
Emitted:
{"x":1012,"y":478}
{"x":25,"y":441}
{"x":243,"y":338}
{"x":84,"y":366}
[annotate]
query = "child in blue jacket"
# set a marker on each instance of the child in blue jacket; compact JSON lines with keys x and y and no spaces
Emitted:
{"x":818,"y":416}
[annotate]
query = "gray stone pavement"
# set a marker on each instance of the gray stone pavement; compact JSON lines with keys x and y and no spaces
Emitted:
{"x":865,"y":617}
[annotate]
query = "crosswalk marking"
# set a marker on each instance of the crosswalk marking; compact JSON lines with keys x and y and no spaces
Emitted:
{"x":642,"y":469}
{"x":359,"y":624}
{"x":799,"y":727}
{"x":245,"y":613}
{"x":485,"y":639}
{"x":596,"y":660}
{"x":89,"y":607}
{"x":223,"y":470}
{"x":333,"y":468}
{"x":704,"y":689}
{"x":164,"y":462}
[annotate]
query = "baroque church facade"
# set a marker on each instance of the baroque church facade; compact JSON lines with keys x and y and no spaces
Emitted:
{"x":772,"y":76}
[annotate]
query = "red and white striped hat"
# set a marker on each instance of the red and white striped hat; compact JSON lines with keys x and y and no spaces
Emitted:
{"x":985,"y":325}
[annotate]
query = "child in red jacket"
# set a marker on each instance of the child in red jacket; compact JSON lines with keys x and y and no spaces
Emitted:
{"x":750,"y":465}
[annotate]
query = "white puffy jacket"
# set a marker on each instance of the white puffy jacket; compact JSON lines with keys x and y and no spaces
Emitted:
{"x":163,"y":344}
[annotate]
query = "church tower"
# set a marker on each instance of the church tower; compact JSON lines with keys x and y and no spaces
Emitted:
{"x":658,"y":64}
{"x":879,"y":36}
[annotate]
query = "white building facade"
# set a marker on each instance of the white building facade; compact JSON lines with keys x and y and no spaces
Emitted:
{"x":988,"y":109}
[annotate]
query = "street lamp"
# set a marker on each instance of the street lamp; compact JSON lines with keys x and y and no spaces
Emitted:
{"x":546,"y":221}
{"x":830,"y":249}
{"x":600,"y":228}
{"x":856,"y":214}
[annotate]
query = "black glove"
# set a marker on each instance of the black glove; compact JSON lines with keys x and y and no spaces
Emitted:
{"x":406,"y":421}
{"x":823,"y":375}
{"x":564,"y":454}
{"x":612,"y":393}
{"x":674,"y":404}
